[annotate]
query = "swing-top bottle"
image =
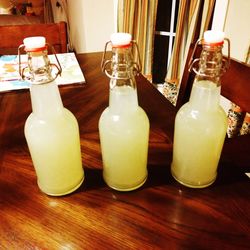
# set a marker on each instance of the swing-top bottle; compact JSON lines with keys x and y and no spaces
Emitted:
{"x":123,"y":126}
{"x":51,"y":130}
{"x":201,"y":123}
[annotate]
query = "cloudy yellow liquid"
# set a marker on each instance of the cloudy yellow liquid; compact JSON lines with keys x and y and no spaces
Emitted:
{"x":200,"y":129}
{"x":55,"y":150}
{"x":124,"y":131}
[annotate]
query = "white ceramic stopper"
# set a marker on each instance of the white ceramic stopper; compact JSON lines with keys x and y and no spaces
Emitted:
{"x":34,"y":42}
{"x":214,"y":36}
{"x":120,"y":39}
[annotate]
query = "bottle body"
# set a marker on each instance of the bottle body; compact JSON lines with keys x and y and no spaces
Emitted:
{"x":123,"y":125}
{"x":51,"y":131}
{"x":52,"y":135}
{"x":200,"y":130}
{"x":124,"y":133}
{"x":201,"y":124}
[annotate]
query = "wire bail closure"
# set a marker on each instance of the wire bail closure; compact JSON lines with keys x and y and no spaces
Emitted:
{"x":106,"y":62}
{"x":192,"y":63}
{"x":27,"y":77}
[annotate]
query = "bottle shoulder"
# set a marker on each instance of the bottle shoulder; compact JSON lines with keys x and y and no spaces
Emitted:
{"x":136,"y":116}
{"x":135,"y":112}
{"x":60,"y":118}
{"x":187,"y":113}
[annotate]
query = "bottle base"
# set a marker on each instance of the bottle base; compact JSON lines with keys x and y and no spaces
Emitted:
{"x":125,"y":188}
{"x":191,"y":184}
{"x":64,"y":192}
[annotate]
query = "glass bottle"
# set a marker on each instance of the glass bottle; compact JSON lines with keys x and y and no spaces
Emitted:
{"x":201,"y":123}
{"x":51,"y":131}
{"x":123,"y":125}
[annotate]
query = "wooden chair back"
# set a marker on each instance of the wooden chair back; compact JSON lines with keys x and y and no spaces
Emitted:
{"x":235,"y":83}
{"x":12,"y":36}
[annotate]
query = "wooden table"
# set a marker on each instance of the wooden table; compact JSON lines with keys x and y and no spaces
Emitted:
{"x":160,"y":215}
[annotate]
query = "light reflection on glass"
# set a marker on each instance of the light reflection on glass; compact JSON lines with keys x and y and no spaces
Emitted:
{"x":194,"y":114}
{"x":116,"y":118}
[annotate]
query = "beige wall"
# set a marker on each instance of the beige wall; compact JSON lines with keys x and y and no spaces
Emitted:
{"x":233,"y":17}
{"x":91,"y":23}
{"x":237,"y":28}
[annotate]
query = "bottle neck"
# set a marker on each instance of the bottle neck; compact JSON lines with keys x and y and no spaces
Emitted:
{"x":123,"y":94}
{"x":205,"y":94}
{"x":39,"y":67}
{"x":46,"y":99}
{"x":210,"y":64}
{"x":122,"y":67}
{"x":45,"y":95}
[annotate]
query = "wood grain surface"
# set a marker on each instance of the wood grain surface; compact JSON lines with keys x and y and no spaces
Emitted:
{"x":160,"y":215}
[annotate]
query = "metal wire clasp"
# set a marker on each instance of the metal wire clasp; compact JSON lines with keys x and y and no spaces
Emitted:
{"x":23,"y":71}
{"x":192,"y":63}
{"x":105,"y":62}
